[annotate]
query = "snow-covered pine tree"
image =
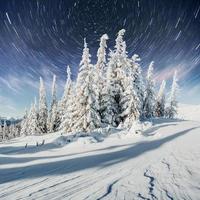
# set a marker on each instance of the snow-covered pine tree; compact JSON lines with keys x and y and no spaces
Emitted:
{"x":17,"y":128}
{"x":160,"y":101}
{"x":85,"y":116}
{"x":63,"y":103}
{"x":149,"y":94}
{"x":33,"y":127}
{"x":5,"y":130}
{"x":67,"y":119}
{"x":99,"y":71}
{"x":110,"y":107}
{"x":132,"y":96}
{"x":1,"y":132}
{"x":120,"y":43}
{"x":53,"y":119}
{"x":43,"y":111}
{"x":13,"y":131}
{"x":53,"y":96}
{"x":116,"y":75}
{"x":26,"y":128}
{"x":171,"y":111}
{"x":68,"y":103}
{"x":24,"y":124}
{"x":138,"y":79}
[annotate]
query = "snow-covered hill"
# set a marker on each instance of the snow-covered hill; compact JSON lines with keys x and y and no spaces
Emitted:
{"x":189,"y":112}
{"x":162,"y":162}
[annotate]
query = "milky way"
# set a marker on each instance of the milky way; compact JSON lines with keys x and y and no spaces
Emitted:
{"x":39,"y":38}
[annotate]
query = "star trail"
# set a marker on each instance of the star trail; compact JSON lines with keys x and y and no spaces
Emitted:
{"x":42,"y":37}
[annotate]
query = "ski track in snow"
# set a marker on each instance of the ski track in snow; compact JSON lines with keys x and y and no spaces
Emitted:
{"x":109,"y":190}
{"x":151,"y":184}
{"x":167,"y":167}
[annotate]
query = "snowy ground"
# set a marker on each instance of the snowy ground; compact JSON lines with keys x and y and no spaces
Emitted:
{"x":189,"y":112}
{"x":161,"y":163}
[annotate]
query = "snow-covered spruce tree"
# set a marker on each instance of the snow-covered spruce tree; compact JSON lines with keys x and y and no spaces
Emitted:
{"x":120,"y":43}
{"x":62,"y":105}
{"x":85,"y":116}
{"x":53,"y":118}
{"x":67,"y":103}
{"x":24,"y":124}
{"x":136,"y":70}
{"x":13,"y":131}
{"x":67,"y":119}
{"x":116,"y":76}
{"x":5,"y":130}
{"x":29,"y":121}
{"x":32,"y":122}
{"x":160,"y":101}
{"x":43,"y":111}
{"x":110,"y":107}
{"x":132,"y":96}
{"x":99,"y":71}
{"x":1,"y":132}
{"x":171,"y":110}
{"x":149,"y":94}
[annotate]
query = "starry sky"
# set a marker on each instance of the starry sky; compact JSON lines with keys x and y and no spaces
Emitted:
{"x":41,"y":37}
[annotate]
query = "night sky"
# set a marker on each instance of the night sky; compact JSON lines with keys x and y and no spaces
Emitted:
{"x":41,"y":37}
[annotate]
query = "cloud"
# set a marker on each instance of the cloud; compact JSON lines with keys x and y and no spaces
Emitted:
{"x":8,"y":83}
{"x":167,"y":73}
{"x":164,"y":74}
{"x":17,"y":83}
{"x":7,"y":106}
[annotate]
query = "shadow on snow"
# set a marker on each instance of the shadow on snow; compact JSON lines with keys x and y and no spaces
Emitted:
{"x":85,"y":162}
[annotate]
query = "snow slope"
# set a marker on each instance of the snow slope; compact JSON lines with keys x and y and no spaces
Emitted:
{"x":161,"y":163}
{"x":189,"y":112}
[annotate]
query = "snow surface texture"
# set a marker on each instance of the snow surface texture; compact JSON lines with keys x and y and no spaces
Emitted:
{"x":189,"y":112}
{"x":161,"y":162}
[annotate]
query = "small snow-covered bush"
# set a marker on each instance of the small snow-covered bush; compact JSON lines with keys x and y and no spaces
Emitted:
{"x":139,"y":127}
{"x":62,"y":140}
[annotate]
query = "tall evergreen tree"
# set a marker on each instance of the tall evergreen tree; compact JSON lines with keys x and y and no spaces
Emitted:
{"x":33,"y":124}
{"x":68,"y":103}
{"x":24,"y":124}
{"x":13,"y":131}
{"x":120,"y":45}
{"x":85,"y":115}
{"x":99,"y":72}
{"x":149,"y":94}
{"x":160,"y":101}
{"x":66,"y":94}
{"x":1,"y":132}
{"x":53,"y":118}
{"x":43,"y":111}
{"x":110,"y":107}
{"x":5,"y":130}
{"x":136,"y":71}
{"x":131,"y":100}
{"x":101,"y":56}
{"x":173,"y":104}
{"x":116,"y":76}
